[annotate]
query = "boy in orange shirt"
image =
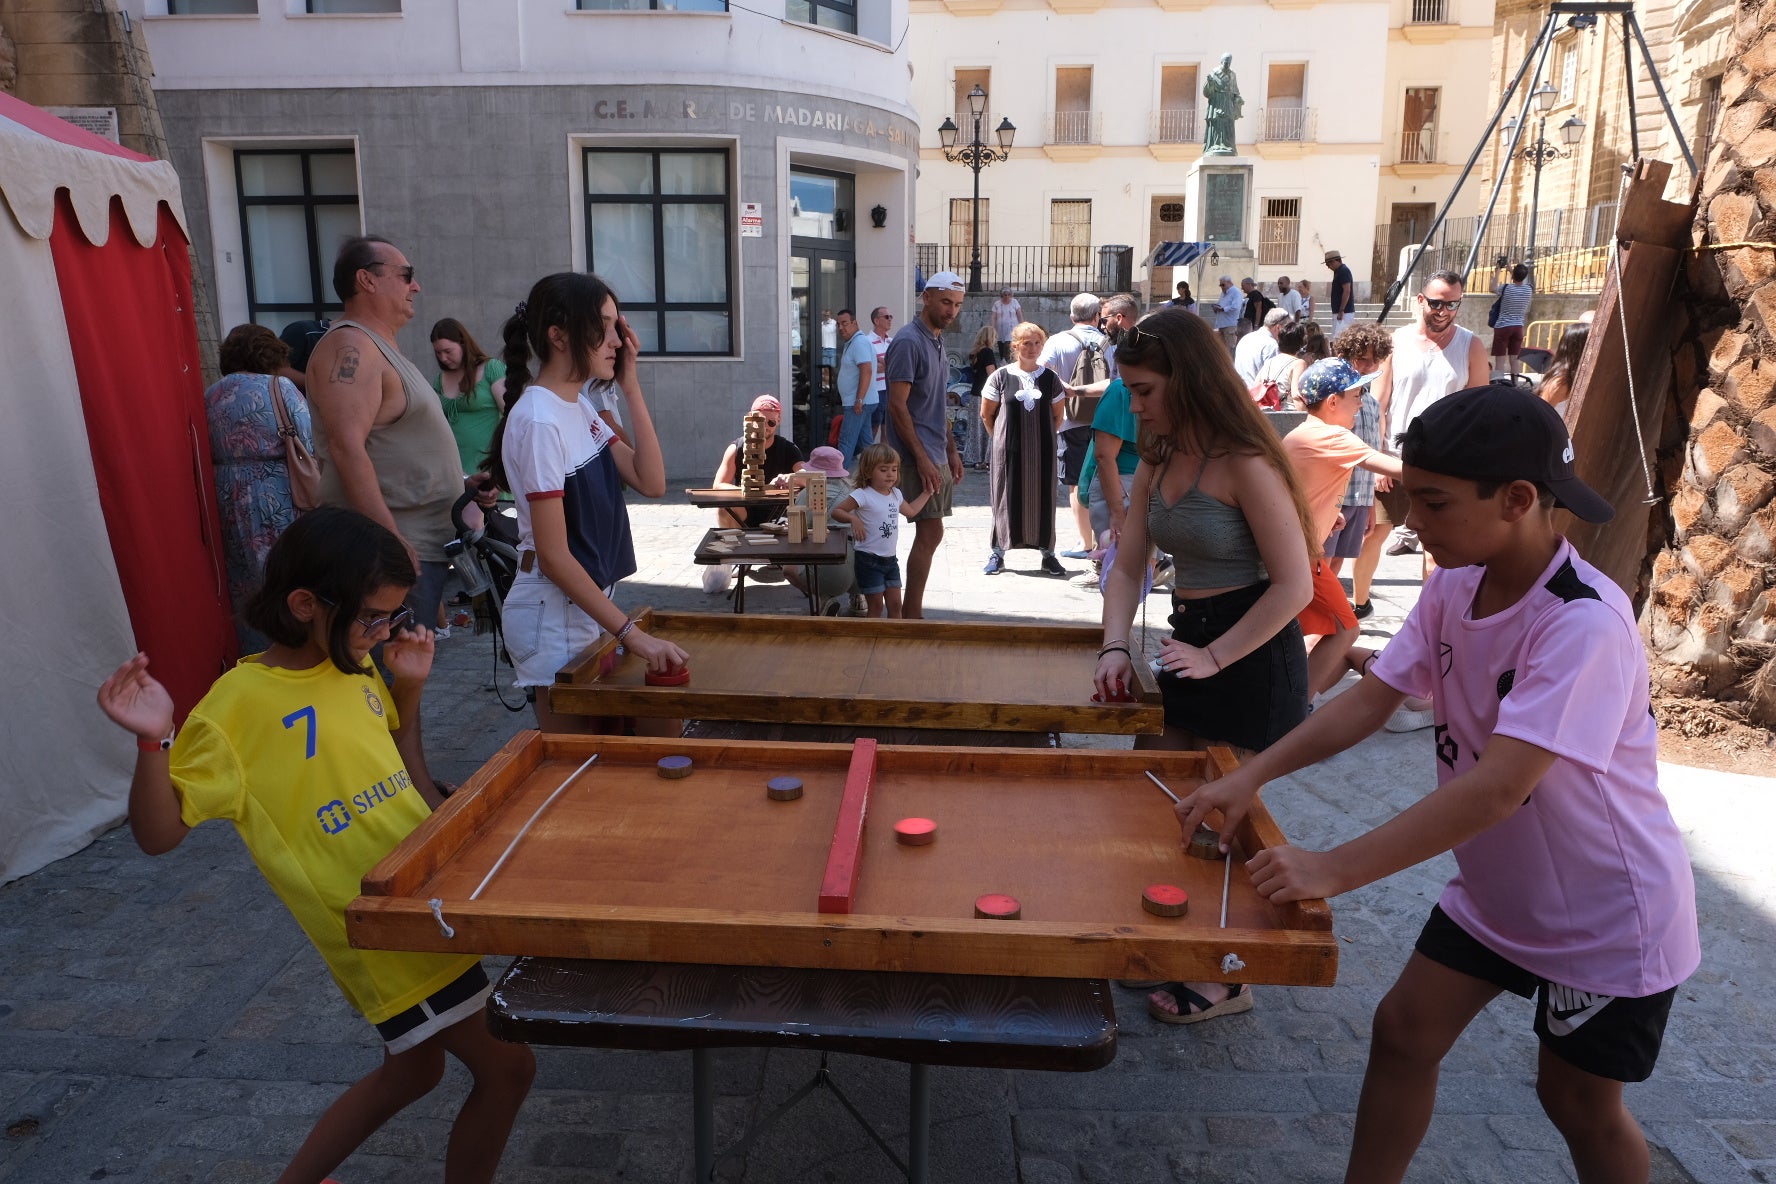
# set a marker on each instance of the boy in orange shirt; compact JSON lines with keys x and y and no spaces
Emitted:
{"x":1324,"y":450}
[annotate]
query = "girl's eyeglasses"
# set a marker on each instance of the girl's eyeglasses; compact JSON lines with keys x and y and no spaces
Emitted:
{"x":401,"y":618}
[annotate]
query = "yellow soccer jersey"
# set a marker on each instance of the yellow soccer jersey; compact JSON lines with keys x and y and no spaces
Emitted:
{"x":303,"y":763}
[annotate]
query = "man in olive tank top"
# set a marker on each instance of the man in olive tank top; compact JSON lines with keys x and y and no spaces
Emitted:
{"x":385,"y":448}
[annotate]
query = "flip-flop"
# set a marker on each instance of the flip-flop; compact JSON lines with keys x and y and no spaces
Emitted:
{"x":1140,"y":984}
{"x":1239,"y":1000}
{"x":445,"y":788}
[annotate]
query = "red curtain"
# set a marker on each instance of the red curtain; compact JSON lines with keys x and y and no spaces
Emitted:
{"x":134,"y":337}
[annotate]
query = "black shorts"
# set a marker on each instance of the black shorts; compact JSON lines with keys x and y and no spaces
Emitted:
{"x":1251,"y":703}
{"x":1605,"y":1035}
{"x":1076,"y":445}
{"x":447,"y":1006}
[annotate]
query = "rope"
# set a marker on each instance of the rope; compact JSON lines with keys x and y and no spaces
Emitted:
{"x":1737,"y":246}
{"x":1646,"y":472}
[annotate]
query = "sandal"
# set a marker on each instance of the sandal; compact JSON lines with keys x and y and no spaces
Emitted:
{"x":1239,"y":999}
{"x":1140,"y":984}
{"x":445,"y":788}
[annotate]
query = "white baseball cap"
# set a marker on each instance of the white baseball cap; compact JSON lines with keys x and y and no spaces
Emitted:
{"x":946,"y":281}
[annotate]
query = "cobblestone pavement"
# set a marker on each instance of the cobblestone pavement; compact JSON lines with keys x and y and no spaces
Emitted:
{"x":163,"y":1019}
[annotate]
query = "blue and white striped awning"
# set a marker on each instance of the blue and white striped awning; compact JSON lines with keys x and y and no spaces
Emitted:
{"x":1176,"y":254}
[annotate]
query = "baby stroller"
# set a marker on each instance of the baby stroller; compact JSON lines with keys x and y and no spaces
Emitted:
{"x":485,"y":560}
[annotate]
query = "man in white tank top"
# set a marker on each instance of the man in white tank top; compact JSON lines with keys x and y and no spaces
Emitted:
{"x":1433,"y":357}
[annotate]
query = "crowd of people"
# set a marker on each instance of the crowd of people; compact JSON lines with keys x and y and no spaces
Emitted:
{"x":1146,"y":434}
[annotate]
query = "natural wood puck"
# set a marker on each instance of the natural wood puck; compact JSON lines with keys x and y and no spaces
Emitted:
{"x":783,"y":789}
{"x":916,"y":832}
{"x":674,"y":678}
{"x":1165,"y":900}
{"x":1206,"y":844}
{"x":995,"y":906}
{"x":673,"y":767}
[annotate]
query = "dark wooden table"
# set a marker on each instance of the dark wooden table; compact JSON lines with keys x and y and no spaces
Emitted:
{"x":745,"y":555}
{"x":984,"y":1021}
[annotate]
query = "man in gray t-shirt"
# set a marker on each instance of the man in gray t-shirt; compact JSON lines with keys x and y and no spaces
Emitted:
{"x":918,"y":424}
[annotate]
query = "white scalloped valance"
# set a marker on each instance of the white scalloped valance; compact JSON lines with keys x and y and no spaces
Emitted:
{"x":33,"y":167}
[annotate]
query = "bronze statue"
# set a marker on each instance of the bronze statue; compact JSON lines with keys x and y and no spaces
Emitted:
{"x":1224,"y":107}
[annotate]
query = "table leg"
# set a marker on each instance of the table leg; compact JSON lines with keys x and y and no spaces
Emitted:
{"x":703,"y":1113}
{"x":740,"y":587}
{"x":919,"y":1126}
{"x":813,"y":589}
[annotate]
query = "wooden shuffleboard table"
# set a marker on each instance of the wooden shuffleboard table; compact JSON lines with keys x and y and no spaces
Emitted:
{"x":617,"y":862}
{"x":849,"y":673}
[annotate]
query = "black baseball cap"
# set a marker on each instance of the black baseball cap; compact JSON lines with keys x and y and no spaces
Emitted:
{"x":1501,"y":433}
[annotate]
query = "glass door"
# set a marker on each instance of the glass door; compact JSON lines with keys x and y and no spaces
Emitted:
{"x":821,"y":282}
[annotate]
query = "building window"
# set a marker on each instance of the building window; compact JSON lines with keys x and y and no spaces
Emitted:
{"x":296,"y":208}
{"x":962,"y":225}
{"x":966,"y":81}
{"x":828,"y":14}
{"x":1279,"y":232}
{"x":1177,"y":106}
{"x":1286,"y":116}
{"x":651,"y":5}
{"x":1707,"y":117}
{"x":1418,"y":130}
{"x":1569,"y":73}
{"x":342,"y":7}
{"x":1072,"y":122}
{"x":820,"y":205}
{"x":212,"y":7}
{"x":1070,"y":231}
{"x":658,"y":231}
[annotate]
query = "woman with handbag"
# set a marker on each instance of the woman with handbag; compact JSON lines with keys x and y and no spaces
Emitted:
{"x":262,"y":450}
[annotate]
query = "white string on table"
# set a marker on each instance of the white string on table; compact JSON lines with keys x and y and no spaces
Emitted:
{"x":1226,"y":882}
{"x":1163,"y":789}
{"x":510,"y":847}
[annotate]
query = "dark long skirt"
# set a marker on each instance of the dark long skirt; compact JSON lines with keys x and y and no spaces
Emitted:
{"x":1023,"y":471}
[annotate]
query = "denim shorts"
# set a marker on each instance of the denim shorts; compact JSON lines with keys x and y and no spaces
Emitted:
{"x":543,"y":629}
{"x":875,"y":573}
{"x":1251,"y":703}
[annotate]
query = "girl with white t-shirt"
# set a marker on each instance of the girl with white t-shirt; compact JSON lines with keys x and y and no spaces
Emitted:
{"x":873,"y":510}
{"x":566,"y":468}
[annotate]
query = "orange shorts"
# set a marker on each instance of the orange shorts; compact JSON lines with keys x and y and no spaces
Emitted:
{"x":1330,"y":609}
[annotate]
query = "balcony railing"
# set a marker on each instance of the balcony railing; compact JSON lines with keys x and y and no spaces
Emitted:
{"x":1568,"y":246}
{"x":1430,"y":12}
{"x":1075,"y":127}
{"x":1285,"y":124}
{"x":965,"y":125}
{"x":1059,"y":270}
{"x":1418,"y":147}
{"x":1174,"y":125}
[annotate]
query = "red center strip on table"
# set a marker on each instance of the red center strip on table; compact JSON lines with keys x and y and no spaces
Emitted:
{"x":845,"y":857}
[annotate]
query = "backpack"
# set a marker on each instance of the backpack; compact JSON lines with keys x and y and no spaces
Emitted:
{"x":1088,"y":367}
{"x":1268,"y":391}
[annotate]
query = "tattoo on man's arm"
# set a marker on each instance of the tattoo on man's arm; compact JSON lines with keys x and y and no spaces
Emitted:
{"x":346,"y":369}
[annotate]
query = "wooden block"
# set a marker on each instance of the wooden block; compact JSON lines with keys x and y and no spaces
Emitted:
{"x":783,"y":789}
{"x":672,"y":678}
{"x":844,"y":857}
{"x":995,"y":906}
{"x":916,"y":832}
{"x":1206,"y":844}
{"x":1165,"y":900}
{"x":673,"y":767}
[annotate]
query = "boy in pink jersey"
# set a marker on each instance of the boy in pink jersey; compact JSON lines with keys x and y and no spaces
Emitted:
{"x":1573,"y":881}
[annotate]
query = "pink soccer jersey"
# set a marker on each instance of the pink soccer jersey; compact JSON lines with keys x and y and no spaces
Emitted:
{"x":1587,"y":884}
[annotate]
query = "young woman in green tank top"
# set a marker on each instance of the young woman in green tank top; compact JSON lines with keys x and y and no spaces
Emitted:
{"x":472,"y":387}
{"x":1215,"y":482}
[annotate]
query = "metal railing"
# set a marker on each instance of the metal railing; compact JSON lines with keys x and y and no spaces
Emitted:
{"x":1430,"y":12}
{"x":1174,"y":125}
{"x":1285,"y":124}
{"x":1418,"y":147}
{"x":1546,"y":334}
{"x":1034,"y":269}
{"x":1565,"y":244}
{"x":1075,"y":127}
{"x":965,"y":126}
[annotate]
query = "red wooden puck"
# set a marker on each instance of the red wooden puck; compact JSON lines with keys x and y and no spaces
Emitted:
{"x":673,"y":678}
{"x":1165,"y":900}
{"x":783,"y":789}
{"x":916,"y":832}
{"x":673,"y":767}
{"x":995,"y":906}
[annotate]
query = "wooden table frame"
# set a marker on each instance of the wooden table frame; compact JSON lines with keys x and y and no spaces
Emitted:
{"x":602,"y":681}
{"x":402,"y":909}
{"x":746,"y":555}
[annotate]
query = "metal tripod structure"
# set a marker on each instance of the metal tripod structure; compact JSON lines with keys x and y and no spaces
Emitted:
{"x":1538,"y":54}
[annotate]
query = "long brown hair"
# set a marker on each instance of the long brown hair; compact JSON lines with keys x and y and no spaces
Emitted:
{"x":474,"y":357}
{"x":1211,"y":412}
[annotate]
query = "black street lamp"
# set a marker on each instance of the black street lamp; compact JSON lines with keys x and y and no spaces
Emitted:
{"x":977,"y":155}
{"x":1541,"y":153}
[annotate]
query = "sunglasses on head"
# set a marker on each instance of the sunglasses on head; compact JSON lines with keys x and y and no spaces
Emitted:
{"x":1441,"y":305}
